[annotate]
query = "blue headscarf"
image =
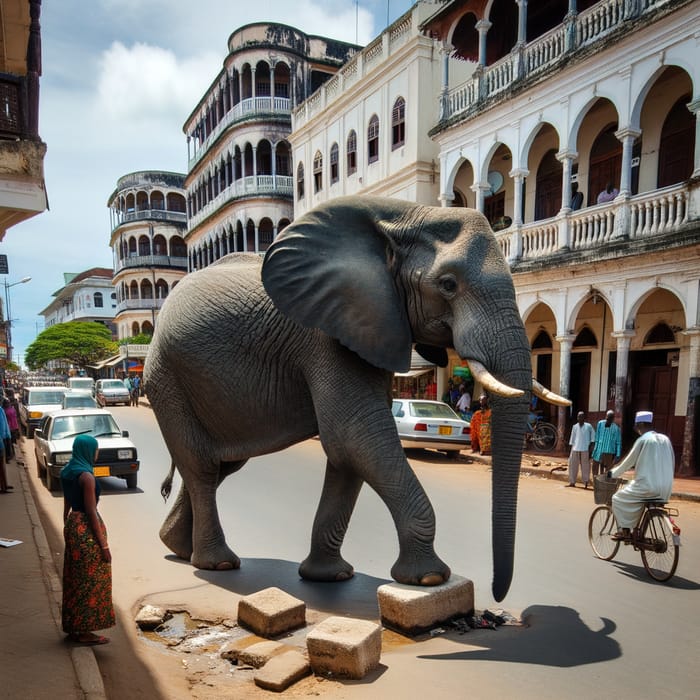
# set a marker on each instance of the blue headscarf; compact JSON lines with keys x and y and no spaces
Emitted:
{"x":84,"y":448}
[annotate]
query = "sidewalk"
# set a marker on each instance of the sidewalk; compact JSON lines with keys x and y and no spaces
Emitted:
{"x":36,"y":662}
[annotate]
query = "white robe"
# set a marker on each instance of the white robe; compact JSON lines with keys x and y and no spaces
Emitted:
{"x":654,"y":463}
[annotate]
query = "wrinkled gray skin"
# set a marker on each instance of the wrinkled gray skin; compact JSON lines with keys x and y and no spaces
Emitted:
{"x":237,"y":369}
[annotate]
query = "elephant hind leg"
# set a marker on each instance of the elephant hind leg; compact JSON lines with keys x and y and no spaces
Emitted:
{"x":340,"y":491}
{"x":176,"y":531}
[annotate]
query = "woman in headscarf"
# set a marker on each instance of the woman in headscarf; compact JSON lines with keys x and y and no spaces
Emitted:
{"x":87,"y":568}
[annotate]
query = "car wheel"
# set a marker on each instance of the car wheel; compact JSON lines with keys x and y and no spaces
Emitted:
{"x":452,"y":454}
{"x":131,"y":480}
{"x":52,"y":483}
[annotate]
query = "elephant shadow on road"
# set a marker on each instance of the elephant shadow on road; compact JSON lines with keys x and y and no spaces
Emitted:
{"x":556,"y":636}
{"x":356,"y":597}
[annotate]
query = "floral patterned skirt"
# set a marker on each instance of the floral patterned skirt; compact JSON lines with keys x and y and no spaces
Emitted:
{"x":87,"y":579}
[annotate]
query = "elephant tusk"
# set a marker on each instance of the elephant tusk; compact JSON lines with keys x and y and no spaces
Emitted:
{"x":488,"y":381}
{"x":548,"y":395}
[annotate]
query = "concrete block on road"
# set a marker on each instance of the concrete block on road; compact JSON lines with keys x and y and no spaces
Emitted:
{"x":271,"y":612}
{"x":344,"y":647}
{"x":415,"y":609}
{"x":282,"y":670}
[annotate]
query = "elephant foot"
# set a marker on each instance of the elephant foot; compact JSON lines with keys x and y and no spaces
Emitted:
{"x":430,"y":571}
{"x":177,"y":540}
{"x":216,"y":559}
{"x":328,"y":569}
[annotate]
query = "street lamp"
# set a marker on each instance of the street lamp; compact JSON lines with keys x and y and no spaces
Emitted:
{"x":8,"y":315}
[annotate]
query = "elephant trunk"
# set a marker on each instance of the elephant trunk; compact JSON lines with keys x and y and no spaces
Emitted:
{"x":512,"y":366}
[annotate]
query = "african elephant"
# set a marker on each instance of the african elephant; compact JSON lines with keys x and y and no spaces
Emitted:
{"x":249,"y":357}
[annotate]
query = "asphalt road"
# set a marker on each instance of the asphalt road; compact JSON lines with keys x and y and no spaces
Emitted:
{"x":590,"y":626}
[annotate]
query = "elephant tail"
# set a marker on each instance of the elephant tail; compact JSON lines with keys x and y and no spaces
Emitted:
{"x":167,"y":484}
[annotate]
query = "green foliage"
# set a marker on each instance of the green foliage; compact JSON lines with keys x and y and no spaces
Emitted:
{"x":140,"y":339}
{"x":79,"y":343}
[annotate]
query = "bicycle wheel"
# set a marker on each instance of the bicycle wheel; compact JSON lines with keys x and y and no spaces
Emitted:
{"x":544,"y":437}
{"x":601,"y":527}
{"x":659,"y":553}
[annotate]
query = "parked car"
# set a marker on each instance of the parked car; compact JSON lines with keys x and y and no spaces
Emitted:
{"x":53,"y":444}
{"x":38,"y":401}
{"x":111,"y":392}
{"x":78,"y":399}
{"x":85,"y":384}
{"x":430,"y":424}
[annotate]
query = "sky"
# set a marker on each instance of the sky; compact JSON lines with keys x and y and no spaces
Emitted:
{"x":119,"y":78}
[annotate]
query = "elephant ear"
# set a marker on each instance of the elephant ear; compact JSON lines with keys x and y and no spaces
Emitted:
{"x":331,"y":269}
{"x":438,"y":356}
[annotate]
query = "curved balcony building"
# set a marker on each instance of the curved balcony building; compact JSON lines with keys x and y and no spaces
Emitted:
{"x":148,"y":223}
{"x":239,"y":185}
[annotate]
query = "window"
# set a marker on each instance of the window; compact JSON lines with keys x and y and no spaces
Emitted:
{"x":300,"y":181}
{"x":398,"y":123}
{"x":373,"y":139}
{"x":97,"y":299}
{"x":351,"y":151}
{"x":318,"y":172}
{"x":334,"y":163}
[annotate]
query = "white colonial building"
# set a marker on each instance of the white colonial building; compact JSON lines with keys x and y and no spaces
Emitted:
{"x":529,"y":99}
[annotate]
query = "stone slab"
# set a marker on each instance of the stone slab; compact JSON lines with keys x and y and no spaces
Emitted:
{"x":345,"y":647}
{"x":271,"y":612}
{"x":416,"y":609}
{"x":257,"y":655}
{"x":282,"y":670}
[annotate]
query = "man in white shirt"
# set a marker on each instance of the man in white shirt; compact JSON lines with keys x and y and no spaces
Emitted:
{"x":581,"y":441}
{"x":653,"y":460}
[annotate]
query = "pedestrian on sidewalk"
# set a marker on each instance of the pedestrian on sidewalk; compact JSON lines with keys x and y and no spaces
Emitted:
{"x":608,"y":444}
{"x":87,"y":568}
{"x":13,"y":424}
{"x":4,"y":437}
{"x":480,"y":427}
{"x":582,"y":440}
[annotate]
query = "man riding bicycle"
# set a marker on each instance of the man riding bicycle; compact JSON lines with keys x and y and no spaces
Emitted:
{"x":653,"y":460}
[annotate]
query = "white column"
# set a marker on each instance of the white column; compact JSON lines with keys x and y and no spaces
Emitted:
{"x":445,"y":87}
{"x":694,"y":107}
{"x":480,"y":189}
{"x":272,"y":83}
{"x":565,"y":344}
{"x":257,"y":239}
{"x":522,"y":21}
{"x":566,"y":158}
{"x":627,"y":136}
{"x":624,"y":339}
{"x":482,"y":26}
{"x":252,"y":83}
{"x":518,"y":175}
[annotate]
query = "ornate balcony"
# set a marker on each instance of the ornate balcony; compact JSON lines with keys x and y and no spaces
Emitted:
{"x":139,"y":304}
{"x":152,"y":261}
{"x":177,"y":217}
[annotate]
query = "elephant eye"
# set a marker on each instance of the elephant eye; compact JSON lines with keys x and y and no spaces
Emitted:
{"x":448,"y":285}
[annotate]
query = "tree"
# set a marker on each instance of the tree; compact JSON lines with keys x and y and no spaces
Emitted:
{"x":140,"y":339}
{"x":80,"y":343}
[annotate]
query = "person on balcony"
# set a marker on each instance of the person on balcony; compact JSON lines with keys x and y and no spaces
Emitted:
{"x":608,"y":194}
{"x":576,"y":197}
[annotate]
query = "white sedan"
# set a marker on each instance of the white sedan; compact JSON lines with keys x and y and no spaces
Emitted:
{"x":430,"y":424}
{"x":53,"y":445}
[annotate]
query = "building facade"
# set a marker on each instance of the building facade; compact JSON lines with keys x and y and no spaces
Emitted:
{"x":574,"y":126}
{"x":148,"y":223}
{"x":240,"y":181}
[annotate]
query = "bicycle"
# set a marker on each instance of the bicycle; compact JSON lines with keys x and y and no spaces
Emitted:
{"x":542,"y":436}
{"x":656,"y":535}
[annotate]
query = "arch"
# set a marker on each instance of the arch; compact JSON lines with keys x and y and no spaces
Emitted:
{"x":398,"y":123}
{"x":334,"y":165}
{"x":246,"y":82}
{"x":585,"y":338}
{"x":661,"y":333}
{"x":178,"y":247}
{"x":135,"y":330}
{"x":351,"y":152}
{"x":282,"y":80}
{"x":147,"y":328}
{"x":503,"y":34}
{"x":144,"y":245}
{"x":141,"y":201}
{"x":146,"y":289}
{"x":300,"y":180}
{"x":542,"y":341}
{"x":548,"y":186}
{"x":677,"y":145}
{"x":250,"y":236}
{"x":157,"y":200}
{"x":373,"y":139}
{"x":605,"y":162}
{"x":263,"y":157}
{"x":160,"y":245}
{"x":282,"y":224}
{"x":161,"y":289}
{"x":97,"y":300}
{"x":132,"y":246}
{"x":318,"y":171}
{"x":283,"y":158}
{"x":262,"y":79}
{"x":265,"y":233}
{"x":464,"y":38}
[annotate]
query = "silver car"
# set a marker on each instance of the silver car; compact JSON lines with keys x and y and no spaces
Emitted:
{"x":430,"y":424}
{"x":53,"y":444}
{"x":109,"y":392}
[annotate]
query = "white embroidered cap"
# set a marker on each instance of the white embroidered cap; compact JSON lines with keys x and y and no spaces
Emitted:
{"x":644,"y":417}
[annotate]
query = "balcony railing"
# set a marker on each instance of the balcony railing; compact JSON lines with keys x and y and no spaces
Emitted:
{"x":178,"y":217}
{"x":245,"y":109}
{"x":281,"y":185}
{"x":152,"y":261}
{"x":588,"y":27}
{"x":649,"y":214}
{"x":139,"y":304}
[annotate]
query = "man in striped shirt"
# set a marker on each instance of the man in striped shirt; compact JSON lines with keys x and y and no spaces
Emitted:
{"x":608,"y":444}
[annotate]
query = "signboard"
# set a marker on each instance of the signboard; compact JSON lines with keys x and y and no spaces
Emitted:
{"x":4,"y":270}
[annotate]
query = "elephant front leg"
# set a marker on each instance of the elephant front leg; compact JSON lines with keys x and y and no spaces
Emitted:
{"x":340,"y":491}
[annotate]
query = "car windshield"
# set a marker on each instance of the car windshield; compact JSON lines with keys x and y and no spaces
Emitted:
{"x":45,"y":397}
{"x":424,"y":409}
{"x":95,"y":424}
{"x":84,"y":400}
{"x":81,"y":384}
{"x":114,"y":384}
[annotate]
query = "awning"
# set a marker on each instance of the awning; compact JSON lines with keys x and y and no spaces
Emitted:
{"x":414,"y":372}
{"x":109,"y":362}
